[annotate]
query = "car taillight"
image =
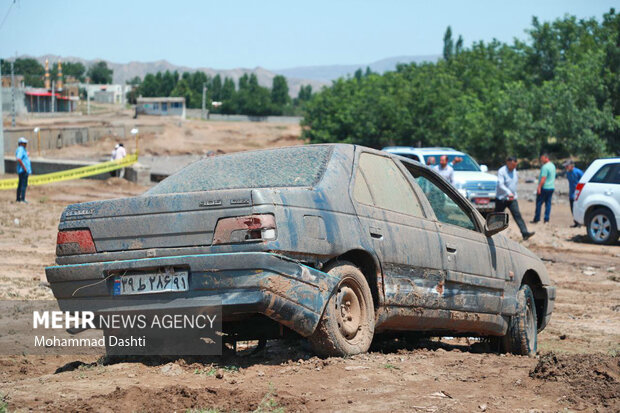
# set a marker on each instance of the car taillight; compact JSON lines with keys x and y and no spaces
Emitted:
{"x":578,"y":190}
{"x":71,"y":242}
{"x":244,"y":229}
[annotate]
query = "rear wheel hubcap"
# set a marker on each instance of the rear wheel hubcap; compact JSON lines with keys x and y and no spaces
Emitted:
{"x":600,"y":227}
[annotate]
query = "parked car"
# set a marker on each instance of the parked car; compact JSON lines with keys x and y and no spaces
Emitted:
{"x":470,"y":179}
{"x":335,"y":243}
{"x":597,"y":200}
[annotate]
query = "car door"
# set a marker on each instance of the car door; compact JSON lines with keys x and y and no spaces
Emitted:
{"x":475,"y":265}
{"x":397,"y":228}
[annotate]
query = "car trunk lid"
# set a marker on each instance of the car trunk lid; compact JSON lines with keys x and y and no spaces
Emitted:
{"x":158,"y":221}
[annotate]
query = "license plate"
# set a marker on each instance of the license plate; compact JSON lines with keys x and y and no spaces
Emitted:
{"x":151,"y":283}
{"x":482,"y":201}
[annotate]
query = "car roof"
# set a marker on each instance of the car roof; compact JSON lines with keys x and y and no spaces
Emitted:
{"x":595,"y":166}
{"x":414,"y":150}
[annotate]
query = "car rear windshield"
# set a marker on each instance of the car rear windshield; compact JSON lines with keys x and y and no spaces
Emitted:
{"x":284,"y":167}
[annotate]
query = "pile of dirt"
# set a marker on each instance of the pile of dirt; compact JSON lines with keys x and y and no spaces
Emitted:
{"x":183,"y":398}
{"x":593,"y":377}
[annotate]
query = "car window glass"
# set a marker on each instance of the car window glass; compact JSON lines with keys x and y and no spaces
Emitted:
{"x":608,"y":174}
{"x":614,"y":176}
{"x":446,"y":210}
{"x":601,"y":175}
{"x":361,"y":191}
{"x":389,"y":187}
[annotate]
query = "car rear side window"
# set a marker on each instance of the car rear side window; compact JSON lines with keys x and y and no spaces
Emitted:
{"x":284,"y":167}
{"x":388,"y":186}
{"x":608,"y":174}
{"x":361,"y":191}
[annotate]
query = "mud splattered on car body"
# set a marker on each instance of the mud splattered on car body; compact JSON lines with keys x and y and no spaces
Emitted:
{"x":257,"y":229}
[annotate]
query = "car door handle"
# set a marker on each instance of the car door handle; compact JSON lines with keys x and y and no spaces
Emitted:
{"x":608,"y":193}
{"x":451,"y":248}
{"x":375,"y":233}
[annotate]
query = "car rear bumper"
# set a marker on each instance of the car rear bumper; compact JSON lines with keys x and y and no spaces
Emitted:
{"x":579,"y":212}
{"x":286,"y":291}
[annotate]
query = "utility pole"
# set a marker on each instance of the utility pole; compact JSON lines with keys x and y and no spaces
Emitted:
{"x":204,"y":101}
{"x":13,"y":93}
{"x":1,"y":129}
{"x":87,"y":99}
{"x":53,"y":95}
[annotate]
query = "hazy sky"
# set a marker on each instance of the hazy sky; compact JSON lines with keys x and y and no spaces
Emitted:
{"x":272,"y":34}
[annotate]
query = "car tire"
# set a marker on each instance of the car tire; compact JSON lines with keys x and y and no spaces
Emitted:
{"x":348,"y":323}
{"x":522,"y":335}
{"x":601,"y":226}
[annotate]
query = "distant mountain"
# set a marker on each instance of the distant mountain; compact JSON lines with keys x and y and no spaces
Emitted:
{"x":126,"y":71}
{"x":316,"y":76}
{"x":332,"y":72}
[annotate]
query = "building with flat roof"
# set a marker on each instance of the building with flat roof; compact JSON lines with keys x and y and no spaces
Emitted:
{"x":116,"y":94}
{"x":172,"y":106}
{"x":40,"y":100}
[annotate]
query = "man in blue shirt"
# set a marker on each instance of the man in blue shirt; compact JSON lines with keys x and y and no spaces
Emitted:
{"x":573,"y":174}
{"x":23,"y":169}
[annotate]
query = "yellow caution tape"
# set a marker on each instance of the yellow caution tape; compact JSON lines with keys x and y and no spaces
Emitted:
{"x":70,"y":174}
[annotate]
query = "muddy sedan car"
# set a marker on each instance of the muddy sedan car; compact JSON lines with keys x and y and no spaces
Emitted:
{"x":335,"y":243}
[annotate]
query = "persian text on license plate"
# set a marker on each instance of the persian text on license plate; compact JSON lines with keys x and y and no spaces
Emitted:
{"x":151,"y":283}
{"x":482,"y":201}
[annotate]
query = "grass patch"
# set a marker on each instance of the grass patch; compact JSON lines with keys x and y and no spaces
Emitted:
{"x":210,"y":372}
{"x":268,"y":403}
{"x":4,"y":406}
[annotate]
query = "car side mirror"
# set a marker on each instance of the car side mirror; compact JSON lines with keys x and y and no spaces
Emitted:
{"x":496,"y":222}
{"x":484,"y":168}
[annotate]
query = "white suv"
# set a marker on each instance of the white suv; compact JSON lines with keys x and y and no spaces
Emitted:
{"x":470,"y":179}
{"x":597,"y":200}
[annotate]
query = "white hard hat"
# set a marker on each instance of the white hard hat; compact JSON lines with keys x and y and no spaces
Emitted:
{"x":22,"y":140}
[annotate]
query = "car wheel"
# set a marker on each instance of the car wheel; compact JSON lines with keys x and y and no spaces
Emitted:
{"x":601,"y":226}
{"x":348,"y":322}
{"x":522,"y":335}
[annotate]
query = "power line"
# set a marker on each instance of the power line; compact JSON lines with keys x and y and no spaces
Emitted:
{"x":7,"y":14}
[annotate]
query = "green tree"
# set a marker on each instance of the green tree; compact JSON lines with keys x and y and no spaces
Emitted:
{"x":216,"y":88}
{"x":279,"y":93}
{"x":305,"y":93}
{"x":182,"y":89}
{"x":149,"y":86}
{"x":168,"y":82}
{"x":99,"y":73}
{"x":134,"y":81}
{"x":558,"y":91}
{"x":243,"y":82}
{"x":448,"y":44}
{"x":30,"y":68}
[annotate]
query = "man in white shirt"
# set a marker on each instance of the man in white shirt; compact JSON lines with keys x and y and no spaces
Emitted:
{"x":507,"y":180}
{"x":445,"y":170}
{"x":119,"y":153}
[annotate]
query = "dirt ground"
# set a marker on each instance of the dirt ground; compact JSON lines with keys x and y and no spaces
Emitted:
{"x":179,"y":137}
{"x":578,"y":366}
